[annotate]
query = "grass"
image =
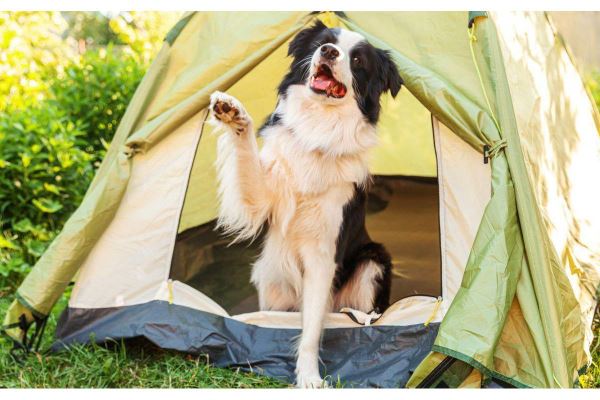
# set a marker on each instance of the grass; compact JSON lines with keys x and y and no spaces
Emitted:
{"x":131,"y":365}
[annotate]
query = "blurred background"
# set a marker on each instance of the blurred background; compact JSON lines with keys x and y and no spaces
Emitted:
{"x":65,"y":81}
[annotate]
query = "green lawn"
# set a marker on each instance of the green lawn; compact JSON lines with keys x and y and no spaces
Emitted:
{"x":144,"y":366}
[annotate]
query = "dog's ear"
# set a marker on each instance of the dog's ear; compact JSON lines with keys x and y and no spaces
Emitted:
{"x":389,"y":73}
{"x":304,"y":38}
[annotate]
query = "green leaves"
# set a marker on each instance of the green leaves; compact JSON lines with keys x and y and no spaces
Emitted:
{"x":36,"y":248}
{"x":25,"y":160}
{"x":94,"y":92}
{"x":7,"y":244}
{"x":47,"y":205}
{"x":52,"y":188}
{"x":23,"y":226}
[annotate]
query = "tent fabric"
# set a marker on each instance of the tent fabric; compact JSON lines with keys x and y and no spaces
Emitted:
{"x":521,"y":314}
{"x":548,"y":113}
{"x":406,"y":312}
{"x":462,"y":203}
{"x":546,"y":310}
{"x":138,"y":236}
{"x":374,"y":356}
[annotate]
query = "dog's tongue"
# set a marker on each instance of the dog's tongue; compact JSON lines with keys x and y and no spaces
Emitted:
{"x":322,"y":82}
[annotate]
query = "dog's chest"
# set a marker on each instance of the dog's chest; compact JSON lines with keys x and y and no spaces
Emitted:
{"x":310,"y":189}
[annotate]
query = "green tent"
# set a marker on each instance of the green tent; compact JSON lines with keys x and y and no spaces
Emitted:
{"x":485,"y":195}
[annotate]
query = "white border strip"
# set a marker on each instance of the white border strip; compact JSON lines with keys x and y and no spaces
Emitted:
{"x":270,"y":5}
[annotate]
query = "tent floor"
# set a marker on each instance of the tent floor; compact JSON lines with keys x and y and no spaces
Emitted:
{"x":403,"y":214}
{"x":372,"y":356}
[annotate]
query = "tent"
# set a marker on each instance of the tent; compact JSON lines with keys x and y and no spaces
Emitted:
{"x":484,"y":193}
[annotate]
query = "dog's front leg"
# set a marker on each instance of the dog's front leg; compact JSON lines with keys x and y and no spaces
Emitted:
{"x":319,"y":270}
{"x":245,"y":202}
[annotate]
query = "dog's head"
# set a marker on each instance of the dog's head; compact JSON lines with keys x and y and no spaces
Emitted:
{"x":338,"y":65}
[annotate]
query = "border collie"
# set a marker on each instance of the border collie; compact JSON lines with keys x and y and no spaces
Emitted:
{"x":308,"y":184}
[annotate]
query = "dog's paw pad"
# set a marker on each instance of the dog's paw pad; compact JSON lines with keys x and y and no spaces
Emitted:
{"x":228,"y":110}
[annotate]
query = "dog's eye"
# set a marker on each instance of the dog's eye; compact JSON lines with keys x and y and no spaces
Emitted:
{"x":356,"y":61}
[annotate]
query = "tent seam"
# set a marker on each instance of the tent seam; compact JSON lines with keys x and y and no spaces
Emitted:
{"x":477,"y":365}
{"x":24,"y":302}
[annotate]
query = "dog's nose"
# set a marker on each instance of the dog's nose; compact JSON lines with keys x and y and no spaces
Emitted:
{"x":329,"y":52}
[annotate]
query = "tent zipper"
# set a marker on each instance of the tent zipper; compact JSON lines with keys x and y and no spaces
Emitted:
{"x":437,"y":372}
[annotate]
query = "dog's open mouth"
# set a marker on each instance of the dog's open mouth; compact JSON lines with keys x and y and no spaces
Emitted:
{"x":323,"y":82}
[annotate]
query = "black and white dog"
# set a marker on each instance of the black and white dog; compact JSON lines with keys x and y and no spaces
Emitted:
{"x":308,"y":184}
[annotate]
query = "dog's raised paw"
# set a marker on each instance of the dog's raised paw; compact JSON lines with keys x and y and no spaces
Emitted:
{"x":229,"y":112}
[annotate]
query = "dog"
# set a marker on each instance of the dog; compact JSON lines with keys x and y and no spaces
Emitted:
{"x":308,"y":184}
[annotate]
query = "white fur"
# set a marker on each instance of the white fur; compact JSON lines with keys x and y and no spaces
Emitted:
{"x":359,"y":293}
{"x":332,"y":129}
{"x":244,"y":204}
{"x":299,"y":182}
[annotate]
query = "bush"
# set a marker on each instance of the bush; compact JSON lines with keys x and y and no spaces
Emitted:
{"x":48,"y":153}
{"x":95,"y":91}
{"x":32,"y":51}
{"x":42,"y":169}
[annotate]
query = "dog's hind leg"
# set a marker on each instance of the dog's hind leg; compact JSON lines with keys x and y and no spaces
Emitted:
{"x":366,"y":290}
{"x":245,"y":200}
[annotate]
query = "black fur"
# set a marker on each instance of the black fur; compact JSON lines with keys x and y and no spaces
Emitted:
{"x":271,"y":120}
{"x":374,"y":73}
{"x":354,"y":248}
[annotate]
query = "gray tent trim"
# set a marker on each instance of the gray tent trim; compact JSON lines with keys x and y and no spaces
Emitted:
{"x":371,"y":356}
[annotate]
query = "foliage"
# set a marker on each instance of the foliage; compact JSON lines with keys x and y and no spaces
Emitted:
{"x":140,"y":33}
{"x":90,"y":28}
{"x":36,"y":46}
{"x":31,"y":50}
{"x":143,"y":32}
{"x":48,"y":152}
{"x":95,"y":91}
{"x":42,"y":170}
